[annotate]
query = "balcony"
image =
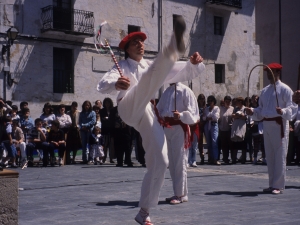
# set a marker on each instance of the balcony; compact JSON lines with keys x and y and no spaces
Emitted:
{"x":69,"y":21}
{"x":231,"y":5}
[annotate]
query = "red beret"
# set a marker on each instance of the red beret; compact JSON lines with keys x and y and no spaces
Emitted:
{"x":130,"y":36}
{"x":275,"y":66}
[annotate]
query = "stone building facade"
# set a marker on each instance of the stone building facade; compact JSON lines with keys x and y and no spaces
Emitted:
{"x":54,"y":58}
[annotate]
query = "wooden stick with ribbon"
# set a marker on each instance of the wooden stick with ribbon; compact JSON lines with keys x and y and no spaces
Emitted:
{"x":113,"y":57}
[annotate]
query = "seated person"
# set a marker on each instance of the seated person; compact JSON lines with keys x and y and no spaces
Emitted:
{"x":19,"y":141}
{"x":37,"y":140}
{"x":7,"y":142}
{"x":56,"y":140}
{"x":26,"y":122}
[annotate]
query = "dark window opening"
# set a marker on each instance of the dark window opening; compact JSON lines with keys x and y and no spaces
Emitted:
{"x":218,"y":25}
{"x":62,"y":14}
{"x":132,"y":28}
{"x":219,"y":73}
{"x":66,"y":4}
{"x":63,"y":72}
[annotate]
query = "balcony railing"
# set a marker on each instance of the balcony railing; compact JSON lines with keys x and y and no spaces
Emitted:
{"x":69,"y":21}
{"x":236,"y":4}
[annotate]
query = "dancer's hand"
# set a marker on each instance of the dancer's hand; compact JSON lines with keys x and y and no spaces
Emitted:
{"x":249,"y":111}
{"x":196,"y":58}
{"x":123,"y":83}
{"x":176,"y":115}
{"x":279,"y":110}
{"x":296,"y":97}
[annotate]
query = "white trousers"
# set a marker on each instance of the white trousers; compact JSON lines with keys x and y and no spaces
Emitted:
{"x":178,"y":157}
{"x":276,"y":151}
{"x":137,"y":112}
{"x":22,"y":147}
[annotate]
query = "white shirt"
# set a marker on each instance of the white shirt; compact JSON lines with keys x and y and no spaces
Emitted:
{"x":181,"y":71}
{"x":214,"y":114}
{"x":225,"y":121}
{"x":64,"y":120}
{"x":267,"y":102}
{"x":186,"y":103}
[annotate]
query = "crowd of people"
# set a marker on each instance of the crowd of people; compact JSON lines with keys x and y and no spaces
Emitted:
{"x":99,"y":132}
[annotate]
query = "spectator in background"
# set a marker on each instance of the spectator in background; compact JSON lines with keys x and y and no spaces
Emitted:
{"x":63,"y":119}
{"x":19,"y":141}
{"x":225,"y":123}
{"x":106,"y":126}
{"x":47,"y":116}
{"x":7,"y":141}
{"x":4,"y":110}
{"x":23,"y":105}
{"x":26,"y":122}
{"x":96,"y":146}
{"x":211,"y":130}
{"x":37,"y":140}
{"x":201,"y":105}
{"x":98,"y":103}
{"x":73,"y":138}
{"x":239,"y":141}
{"x":87,"y":121}
{"x":13,"y":113}
{"x":56,"y":140}
{"x":96,"y":109}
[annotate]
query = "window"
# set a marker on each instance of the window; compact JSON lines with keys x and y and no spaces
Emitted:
{"x":62,"y":14}
{"x":63,"y":73}
{"x":218,"y":25}
{"x":219,"y":73}
{"x":132,"y":28}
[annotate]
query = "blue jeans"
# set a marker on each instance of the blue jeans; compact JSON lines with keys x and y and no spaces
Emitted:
{"x":211,"y":137}
{"x":193,"y":150}
{"x":84,"y":142}
{"x":11,"y":149}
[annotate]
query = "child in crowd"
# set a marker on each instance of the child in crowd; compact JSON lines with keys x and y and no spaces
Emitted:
{"x":19,"y":141}
{"x":14,"y":113}
{"x":96,"y":146}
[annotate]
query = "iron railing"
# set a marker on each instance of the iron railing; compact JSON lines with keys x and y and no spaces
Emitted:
{"x":231,"y":3}
{"x":71,"y":21}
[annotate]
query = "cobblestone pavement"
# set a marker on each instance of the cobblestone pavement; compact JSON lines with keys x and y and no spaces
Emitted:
{"x":105,"y":194}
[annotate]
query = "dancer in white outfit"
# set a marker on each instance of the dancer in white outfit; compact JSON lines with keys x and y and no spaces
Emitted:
{"x":142,"y":79}
{"x":276,"y":126}
{"x":178,"y":134}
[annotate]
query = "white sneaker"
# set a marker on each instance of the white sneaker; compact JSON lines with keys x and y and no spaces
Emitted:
{"x":194,"y":164}
{"x":185,"y":198}
{"x":60,"y":162}
{"x":143,"y":219}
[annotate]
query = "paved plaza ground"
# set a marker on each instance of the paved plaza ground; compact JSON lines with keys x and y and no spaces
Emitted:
{"x":105,"y":194}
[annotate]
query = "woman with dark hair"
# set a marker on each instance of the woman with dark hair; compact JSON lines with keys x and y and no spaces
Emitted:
{"x":106,"y":128}
{"x":225,"y":123}
{"x":201,"y":105}
{"x":211,"y":130}
{"x":63,"y":119}
{"x":47,"y":116}
{"x":73,"y":137}
{"x":87,"y":120}
{"x":96,"y":109}
{"x":238,"y":140}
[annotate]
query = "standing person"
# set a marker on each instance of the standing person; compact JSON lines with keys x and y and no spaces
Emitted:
{"x":23,"y":105}
{"x":63,"y":119}
{"x":87,"y":121}
{"x":225,"y":123}
{"x":238,"y":131}
{"x":121,"y":133}
{"x":73,"y":141}
{"x":140,"y":82}
{"x":96,"y":109}
{"x":4,"y":110}
{"x":201,"y":105}
{"x":106,"y":127}
{"x":211,"y":130}
{"x":26,"y":122}
{"x":96,"y":146}
{"x":178,"y":113}
{"x":276,"y":126}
